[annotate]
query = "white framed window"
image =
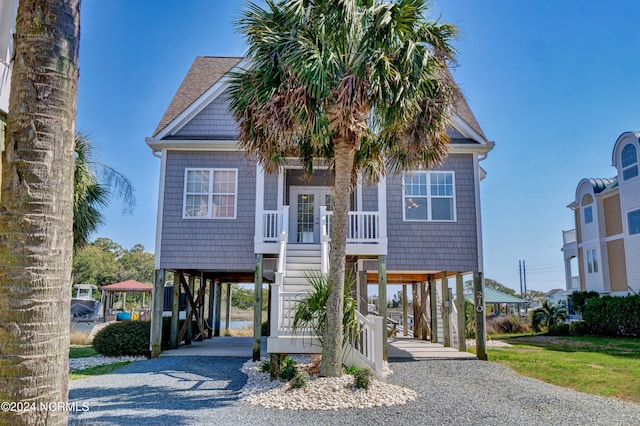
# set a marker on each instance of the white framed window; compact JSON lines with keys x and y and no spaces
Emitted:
{"x":588,"y":214}
{"x":629,"y":160}
{"x":633,"y":220}
{"x":592,"y":261}
{"x":210,"y":193}
{"x":429,"y":196}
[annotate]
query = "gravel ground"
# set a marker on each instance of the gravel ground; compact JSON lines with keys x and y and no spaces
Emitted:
{"x":205,"y":390}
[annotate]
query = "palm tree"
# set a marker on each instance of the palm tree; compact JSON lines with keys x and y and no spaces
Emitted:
{"x":36,"y":211}
{"x":362,"y":84}
{"x":94,"y":185}
{"x":548,"y":315}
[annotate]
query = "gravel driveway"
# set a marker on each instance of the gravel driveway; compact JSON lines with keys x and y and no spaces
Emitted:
{"x":204,"y":391}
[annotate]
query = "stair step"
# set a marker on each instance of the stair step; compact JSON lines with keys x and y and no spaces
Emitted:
{"x":303,"y":259}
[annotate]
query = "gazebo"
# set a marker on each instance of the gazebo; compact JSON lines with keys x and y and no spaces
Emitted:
{"x":499,"y":300}
{"x":130,"y":286}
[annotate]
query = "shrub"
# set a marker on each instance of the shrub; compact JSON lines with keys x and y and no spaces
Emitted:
{"x":579,"y":299}
{"x":579,"y":328}
{"x":613,"y":315}
{"x":362,"y":379}
{"x":352,"y":370}
{"x":507,"y":324}
{"x":300,"y":380}
{"x":123,"y":338}
{"x":560,"y":329}
{"x":265,"y":366}
{"x":288,"y":369}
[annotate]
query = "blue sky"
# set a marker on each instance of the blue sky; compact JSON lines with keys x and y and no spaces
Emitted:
{"x":553,"y":83}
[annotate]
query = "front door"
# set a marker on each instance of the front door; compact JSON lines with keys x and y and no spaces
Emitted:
{"x":304,"y":212}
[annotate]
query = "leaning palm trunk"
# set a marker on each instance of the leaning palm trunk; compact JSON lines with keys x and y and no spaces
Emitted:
{"x":36,"y":213}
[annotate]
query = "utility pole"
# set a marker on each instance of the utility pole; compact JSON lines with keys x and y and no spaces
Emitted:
{"x":520,"y":274}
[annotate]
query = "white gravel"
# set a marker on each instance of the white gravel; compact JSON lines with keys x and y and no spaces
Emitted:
{"x":320,"y":393}
{"x":93,"y":361}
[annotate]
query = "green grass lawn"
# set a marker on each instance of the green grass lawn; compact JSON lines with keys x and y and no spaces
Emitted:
{"x":599,"y":366}
{"x":77,"y":351}
{"x":97,"y":370}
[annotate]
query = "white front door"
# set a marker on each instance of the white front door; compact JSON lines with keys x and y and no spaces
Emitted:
{"x":304,"y":212}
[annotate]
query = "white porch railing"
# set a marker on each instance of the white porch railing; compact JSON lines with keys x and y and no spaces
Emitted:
{"x":362,"y":227}
{"x":367,"y":346}
{"x":283,"y":310}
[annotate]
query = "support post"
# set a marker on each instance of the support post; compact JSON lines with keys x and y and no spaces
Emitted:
{"x":382,"y":301}
{"x":211,"y":307}
{"x":481,"y":320}
{"x":218,"y":309}
{"x":363,"y":301}
{"x":416,"y":310}
{"x":462,"y":325}
{"x":155,"y":345}
{"x":405,"y":330}
{"x":189,"y":335}
{"x":446,"y":327}
{"x":175,"y":310}
{"x":200,"y":307}
{"x":227,"y":312}
{"x":433,"y":299}
{"x":423,"y":312}
{"x":257,"y":308}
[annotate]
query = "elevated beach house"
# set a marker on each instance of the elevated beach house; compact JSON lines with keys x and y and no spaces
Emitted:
{"x":602,"y":252}
{"x":222,"y":219}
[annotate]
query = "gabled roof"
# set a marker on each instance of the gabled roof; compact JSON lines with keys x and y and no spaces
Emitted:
{"x":207,"y":70}
{"x":203,"y":74}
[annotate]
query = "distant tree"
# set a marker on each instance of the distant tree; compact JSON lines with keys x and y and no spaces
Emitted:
{"x":105,"y":262}
{"x":489,"y":283}
{"x":535,"y":293}
{"x":242,"y":298}
{"x":396,"y":300}
{"x":95,"y":184}
{"x":548,"y":315}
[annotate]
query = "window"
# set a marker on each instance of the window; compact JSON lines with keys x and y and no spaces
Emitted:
{"x":629,"y":162}
{"x":633,"y":220}
{"x":429,"y":196}
{"x":210,"y":193}
{"x":592,"y":261}
{"x":588,"y":214}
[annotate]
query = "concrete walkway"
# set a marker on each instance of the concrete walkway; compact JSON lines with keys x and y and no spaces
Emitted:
{"x":401,"y":348}
{"x":227,"y":346}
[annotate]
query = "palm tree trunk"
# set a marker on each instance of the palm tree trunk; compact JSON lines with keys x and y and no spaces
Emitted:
{"x":36,"y":213}
{"x":331,"y":365}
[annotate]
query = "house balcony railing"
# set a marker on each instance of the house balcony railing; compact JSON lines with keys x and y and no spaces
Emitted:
{"x":366,"y":231}
{"x":569,"y":237}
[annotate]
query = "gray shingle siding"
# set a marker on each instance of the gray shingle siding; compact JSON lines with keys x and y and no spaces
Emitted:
{"x":213,"y":121}
{"x":369,"y":198}
{"x":207,"y":244}
{"x":435,"y":246}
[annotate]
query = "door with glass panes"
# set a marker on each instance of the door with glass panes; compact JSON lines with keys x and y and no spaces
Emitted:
{"x":304,"y":212}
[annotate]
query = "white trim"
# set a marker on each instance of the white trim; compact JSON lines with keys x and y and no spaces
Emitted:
{"x":465,"y":129}
{"x":599,"y":240}
{"x":210,"y":194}
{"x":280,"y":200}
{"x":626,"y":223}
{"x":429,"y":197}
{"x":476,"y":181}
{"x":382,"y":209}
{"x":160,"y":212}
{"x":194,"y":144}
{"x":259,"y":203}
{"x":358,"y":206}
{"x":470,"y":148}
{"x":200,"y":103}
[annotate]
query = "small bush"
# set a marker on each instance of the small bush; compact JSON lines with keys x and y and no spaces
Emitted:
{"x":265,"y":366}
{"x":288,"y":369}
{"x":561,"y":329}
{"x":352,"y":370}
{"x":300,"y":380}
{"x":363,"y":378}
{"x":123,"y":338}
{"x":579,"y":328}
{"x":507,"y":324}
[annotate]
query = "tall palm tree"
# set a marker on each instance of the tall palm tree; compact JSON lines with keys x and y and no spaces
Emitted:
{"x":94,"y":185}
{"x":360,"y":83}
{"x":36,"y":211}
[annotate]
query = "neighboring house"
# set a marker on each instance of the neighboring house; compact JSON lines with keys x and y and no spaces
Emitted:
{"x":220,"y":214}
{"x":602,"y":253}
{"x":556,"y":296}
{"x":8,"y":10}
